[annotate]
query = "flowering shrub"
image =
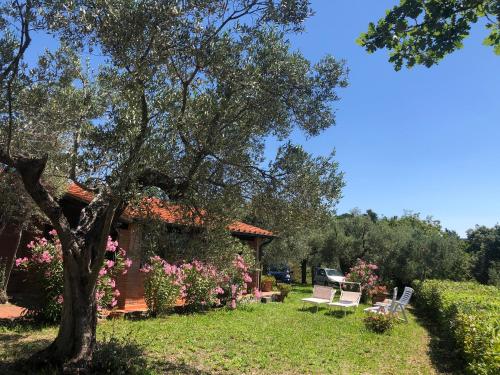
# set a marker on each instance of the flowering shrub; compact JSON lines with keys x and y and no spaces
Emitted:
{"x":201,"y":285}
{"x":162,"y":286}
{"x":379,"y":323}
{"x":364,"y":273}
{"x":45,"y":264}
{"x":235,"y":280}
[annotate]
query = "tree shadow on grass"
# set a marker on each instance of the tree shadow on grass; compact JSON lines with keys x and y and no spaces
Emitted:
{"x":167,"y":367}
{"x":445,"y":358}
{"x":15,"y":352}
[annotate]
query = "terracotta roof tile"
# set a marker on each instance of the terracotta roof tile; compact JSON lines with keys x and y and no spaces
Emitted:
{"x":169,"y":213}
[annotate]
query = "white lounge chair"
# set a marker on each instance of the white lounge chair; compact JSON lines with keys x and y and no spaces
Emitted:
{"x":396,"y":306}
{"x":347,"y":299}
{"x":321,"y":295}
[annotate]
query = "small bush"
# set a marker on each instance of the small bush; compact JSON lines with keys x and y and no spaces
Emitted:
{"x":162,"y":285}
{"x":470,"y":314}
{"x":284,"y":290}
{"x":379,"y":323}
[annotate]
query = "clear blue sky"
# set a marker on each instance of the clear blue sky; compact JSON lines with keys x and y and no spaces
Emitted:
{"x":426,"y":140}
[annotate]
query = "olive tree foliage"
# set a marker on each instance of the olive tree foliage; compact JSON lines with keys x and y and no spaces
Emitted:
{"x":483,"y":244}
{"x":405,"y":248}
{"x":425,"y":31}
{"x":177,"y":98}
{"x":297,"y":204}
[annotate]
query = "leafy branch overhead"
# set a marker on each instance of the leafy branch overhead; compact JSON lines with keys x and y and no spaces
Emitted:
{"x":424,"y":31}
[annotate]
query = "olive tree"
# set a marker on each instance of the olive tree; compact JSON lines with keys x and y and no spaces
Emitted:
{"x":178,"y":103}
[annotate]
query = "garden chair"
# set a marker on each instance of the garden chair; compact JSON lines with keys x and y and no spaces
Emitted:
{"x":388,"y":302}
{"x":347,"y":300}
{"x":396,"y":306}
{"x":321,"y":295}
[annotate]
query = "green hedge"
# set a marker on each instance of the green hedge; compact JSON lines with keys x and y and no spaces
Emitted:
{"x":470,"y":313}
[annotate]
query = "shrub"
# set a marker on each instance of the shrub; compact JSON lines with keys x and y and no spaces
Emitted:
{"x":162,"y":285}
{"x":45,"y":265}
{"x":201,"y":285}
{"x":267,"y":278}
{"x":364,"y":273}
{"x":470,"y":314}
{"x":235,"y":280}
{"x":284,"y":290}
{"x":379,"y":323}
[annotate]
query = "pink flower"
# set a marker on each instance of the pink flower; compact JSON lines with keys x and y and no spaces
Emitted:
{"x":233,"y":304}
{"x":128,"y":262}
{"x":114,"y":302}
{"x":53,"y":233}
{"x":116,"y":293}
{"x":257,"y":293}
{"x":146,"y":268}
{"x":219,"y":290}
{"x":247,"y":278}
{"x":112,"y":283}
{"x":60,"y":299}
{"x":21,"y":261}
{"x":110,"y":263}
{"x":31,"y":245}
{"x":124,"y":272}
{"x":102,"y":272}
{"x":46,"y":257}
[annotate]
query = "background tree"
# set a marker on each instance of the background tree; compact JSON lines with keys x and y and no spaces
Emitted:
{"x":484,"y":244}
{"x":425,"y":31}
{"x":178,"y":104}
{"x":405,"y":248}
{"x":296,"y":204}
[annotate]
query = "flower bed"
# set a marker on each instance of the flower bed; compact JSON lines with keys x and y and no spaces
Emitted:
{"x":198,"y":284}
{"x":470,"y":313}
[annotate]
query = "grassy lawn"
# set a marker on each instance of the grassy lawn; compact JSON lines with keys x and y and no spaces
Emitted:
{"x":277,"y":338}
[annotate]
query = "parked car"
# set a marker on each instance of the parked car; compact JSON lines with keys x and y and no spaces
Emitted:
{"x":281,"y":274}
{"x":328,"y":276}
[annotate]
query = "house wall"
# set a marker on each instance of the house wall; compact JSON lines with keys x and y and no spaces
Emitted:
{"x":131,"y":285}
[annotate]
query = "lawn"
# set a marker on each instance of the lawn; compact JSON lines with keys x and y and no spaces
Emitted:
{"x":276,"y":338}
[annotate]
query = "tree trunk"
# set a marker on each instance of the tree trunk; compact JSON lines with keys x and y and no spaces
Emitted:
{"x":312,"y":274}
{"x":8,"y":271}
{"x":72,"y":349}
{"x":303,"y":267}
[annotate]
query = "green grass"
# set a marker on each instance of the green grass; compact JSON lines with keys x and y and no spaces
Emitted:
{"x":274,"y":338}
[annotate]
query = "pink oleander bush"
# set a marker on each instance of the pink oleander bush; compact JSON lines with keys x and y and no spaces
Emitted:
{"x":45,"y":265}
{"x":163,"y":285}
{"x":234,"y":281}
{"x":199,"y":284}
{"x":364,"y":273}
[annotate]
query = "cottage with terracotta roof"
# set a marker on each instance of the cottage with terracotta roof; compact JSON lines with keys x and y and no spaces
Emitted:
{"x":129,"y":235}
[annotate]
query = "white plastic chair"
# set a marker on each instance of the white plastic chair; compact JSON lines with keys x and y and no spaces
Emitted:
{"x":388,"y":302}
{"x":347,"y":299}
{"x":321,"y":295}
{"x":395,"y":306}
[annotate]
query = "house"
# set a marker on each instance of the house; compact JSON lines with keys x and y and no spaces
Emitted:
{"x":129,"y":236}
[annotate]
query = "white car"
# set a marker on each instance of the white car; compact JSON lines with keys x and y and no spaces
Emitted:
{"x":327,"y":276}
